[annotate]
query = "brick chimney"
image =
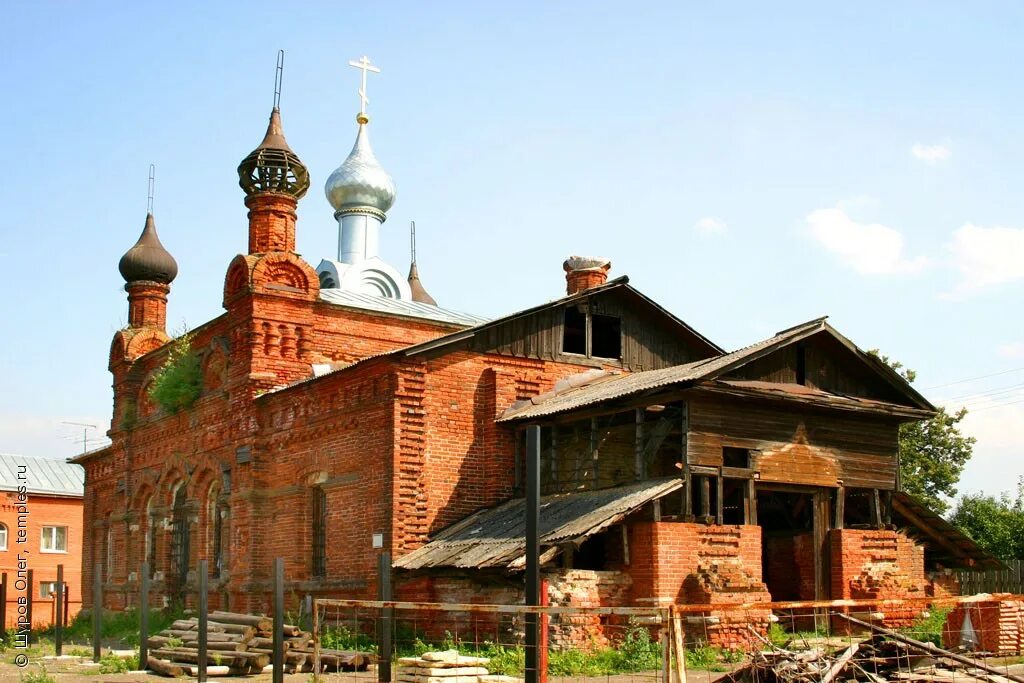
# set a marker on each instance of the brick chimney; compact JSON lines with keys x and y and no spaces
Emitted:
{"x":584,"y":272}
{"x":271,"y":223}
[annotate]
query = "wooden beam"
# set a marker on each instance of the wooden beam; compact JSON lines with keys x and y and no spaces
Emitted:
{"x":594,"y":452}
{"x":638,"y":445}
{"x":656,"y":509}
{"x":939,"y":538}
{"x":625,"y":543}
{"x":876,"y":509}
{"x":840,"y":508}
{"x":719,"y":503}
{"x":751,"y":507}
{"x":705,"y":497}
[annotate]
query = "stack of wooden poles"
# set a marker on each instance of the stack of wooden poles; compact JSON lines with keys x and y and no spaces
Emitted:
{"x":241,"y":644}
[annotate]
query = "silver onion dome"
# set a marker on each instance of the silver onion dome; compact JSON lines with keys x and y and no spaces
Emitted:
{"x":360,"y":184}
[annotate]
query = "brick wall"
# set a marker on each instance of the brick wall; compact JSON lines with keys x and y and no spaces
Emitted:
{"x":42,"y":511}
{"x":674,"y":562}
{"x":998,"y":626}
{"x":877,"y":565}
{"x":789,"y":565}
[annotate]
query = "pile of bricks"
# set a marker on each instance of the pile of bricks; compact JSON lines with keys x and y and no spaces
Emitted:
{"x":998,"y":625}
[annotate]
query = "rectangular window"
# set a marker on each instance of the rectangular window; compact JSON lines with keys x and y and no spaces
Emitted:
{"x":319,"y":514}
{"x":48,"y":589}
{"x":574,"y":336}
{"x":3,"y":537}
{"x":735,"y":457}
{"x":55,"y":539}
{"x":606,"y":336}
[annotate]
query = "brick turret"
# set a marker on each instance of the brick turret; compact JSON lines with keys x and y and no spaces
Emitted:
{"x":148,"y":270}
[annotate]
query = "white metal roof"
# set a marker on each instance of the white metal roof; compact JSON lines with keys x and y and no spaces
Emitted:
{"x":41,"y":476}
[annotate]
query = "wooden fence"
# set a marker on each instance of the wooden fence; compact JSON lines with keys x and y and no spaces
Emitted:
{"x":994,"y":581}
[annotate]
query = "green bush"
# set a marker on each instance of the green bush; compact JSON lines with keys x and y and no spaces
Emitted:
{"x":179,"y":381}
{"x":38,"y":676}
{"x":928,"y":628}
{"x":113,"y":664}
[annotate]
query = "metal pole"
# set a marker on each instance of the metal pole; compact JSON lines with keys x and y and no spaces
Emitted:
{"x":58,"y":617}
{"x":278,"y":676}
{"x":67,"y":597}
{"x":144,"y":616}
{"x":3,"y":601}
{"x":29,"y":598}
{"x":316,"y":641}
{"x":384,"y":590}
{"x":532,"y":552}
{"x":97,"y":610}
{"x":203,"y":618}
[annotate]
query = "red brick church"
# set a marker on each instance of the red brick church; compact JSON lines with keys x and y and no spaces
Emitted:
{"x":339,"y":402}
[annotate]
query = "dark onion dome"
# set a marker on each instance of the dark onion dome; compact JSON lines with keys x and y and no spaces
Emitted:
{"x":148,"y":260}
{"x":273,"y":166}
{"x":418,"y":292}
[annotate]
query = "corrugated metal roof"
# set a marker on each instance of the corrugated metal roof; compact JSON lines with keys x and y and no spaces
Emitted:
{"x":619,"y":386}
{"x":41,"y":476}
{"x":615,"y":386}
{"x":412,"y":309}
{"x":497,"y":537}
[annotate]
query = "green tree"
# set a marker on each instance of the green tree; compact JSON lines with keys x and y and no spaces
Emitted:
{"x":996,"y":524}
{"x":933,"y":453}
{"x":178,"y":382}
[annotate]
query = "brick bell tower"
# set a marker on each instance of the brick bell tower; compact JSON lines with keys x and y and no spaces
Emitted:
{"x":148,"y":270}
{"x":269,"y":291}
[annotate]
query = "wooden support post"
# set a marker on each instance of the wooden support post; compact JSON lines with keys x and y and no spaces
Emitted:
{"x":887,"y":509}
{"x":876,"y":509}
{"x":58,"y":613}
{"x":638,"y":445}
{"x":705,"y":497}
{"x":687,"y":505}
{"x":625,"y":544}
{"x":840,"y":508}
{"x":751,"y":507}
{"x":143,"y":614}
{"x":719,"y":496}
{"x":594,"y":453}
{"x":204,"y":612}
{"x":97,"y":610}
{"x":556,"y":484}
{"x":656,"y":509}
{"x":532,"y":588}
{"x":387,"y":616}
{"x":278,"y":673}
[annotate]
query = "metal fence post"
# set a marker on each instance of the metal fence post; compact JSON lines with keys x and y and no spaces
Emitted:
{"x":532,"y":622}
{"x":3,"y":601}
{"x":58,"y":616}
{"x":97,"y":610}
{"x":30,"y":597}
{"x":203,"y":619}
{"x":278,"y":676}
{"x":384,"y":589}
{"x":316,"y":641}
{"x":144,"y":616}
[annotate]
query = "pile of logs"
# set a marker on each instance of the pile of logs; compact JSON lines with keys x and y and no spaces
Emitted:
{"x":886,"y":657}
{"x":240,"y":644}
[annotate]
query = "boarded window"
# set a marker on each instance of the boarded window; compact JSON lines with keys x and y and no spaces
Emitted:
{"x":606,"y":336}
{"x":735,"y":457}
{"x":319,"y":513}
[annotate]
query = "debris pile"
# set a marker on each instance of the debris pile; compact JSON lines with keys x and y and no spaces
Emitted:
{"x":241,"y":644}
{"x":886,"y":657}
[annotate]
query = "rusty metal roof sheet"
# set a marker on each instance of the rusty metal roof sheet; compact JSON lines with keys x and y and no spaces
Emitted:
{"x":497,"y":537}
{"x":614,"y":386}
{"x":41,"y":476}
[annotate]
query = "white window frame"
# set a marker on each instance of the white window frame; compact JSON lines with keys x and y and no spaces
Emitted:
{"x":52,"y":592}
{"x":53,"y":538}
{"x":3,"y":537}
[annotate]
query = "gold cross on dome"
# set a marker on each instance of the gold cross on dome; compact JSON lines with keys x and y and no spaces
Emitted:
{"x":363,"y":64}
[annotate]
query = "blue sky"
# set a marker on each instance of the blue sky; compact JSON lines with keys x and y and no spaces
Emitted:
{"x":749,"y":166}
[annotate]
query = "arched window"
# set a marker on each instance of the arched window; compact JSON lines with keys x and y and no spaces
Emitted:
{"x":3,"y":537}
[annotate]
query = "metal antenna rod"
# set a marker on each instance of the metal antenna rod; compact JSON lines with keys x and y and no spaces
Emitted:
{"x":85,"y":432}
{"x":412,"y":239}
{"x":278,"y":77}
{"x":152,"y":188}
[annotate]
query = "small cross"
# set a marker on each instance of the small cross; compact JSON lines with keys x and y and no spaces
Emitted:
{"x":363,"y":64}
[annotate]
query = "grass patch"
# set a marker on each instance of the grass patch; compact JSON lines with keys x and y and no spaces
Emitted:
{"x":121,"y":627}
{"x":112,"y":664}
{"x":928,"y":628}
{"x":40,"y":675}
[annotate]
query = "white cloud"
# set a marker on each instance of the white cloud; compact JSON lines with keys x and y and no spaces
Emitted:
{"x":868,"y":248}
{"x":1012,"y":350}
{"x":931,"y":154}
{"x":709,"y":225}
{"x":998,"y":425}
{"x":986,"y":257}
